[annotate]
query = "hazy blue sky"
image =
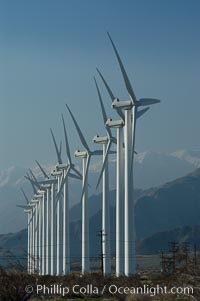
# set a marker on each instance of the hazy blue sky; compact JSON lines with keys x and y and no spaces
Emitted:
{"x":48,"y":55}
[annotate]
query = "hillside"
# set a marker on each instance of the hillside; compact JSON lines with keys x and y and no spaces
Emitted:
{"x":151,"y":169}
{"x":159,"y":241}
{"x":171,"y":206}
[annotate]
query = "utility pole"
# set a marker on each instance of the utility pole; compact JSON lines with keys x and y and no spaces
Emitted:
{"x":162,"y":262}
{"x":174,"y":248}
{"x":102,"y":255}
{"x":186,"y":251}
{"x":195,"y":256}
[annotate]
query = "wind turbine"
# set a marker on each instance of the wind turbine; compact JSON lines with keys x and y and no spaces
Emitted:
{"x":63,"y":171}
{"x":39,"y":197}
{"x":34,"y":220}
{"x":31,"y":231}
{"x":65,"y":188}
{"x":58,"y":204}
{"x":131,"y":108}
{"x":86,"y":157}
{"x":29,"y":212}
{"x":42,"y":191}
{"x":106,"y":143}
{"x":28,"y":209}
{"x":49,"y":184}
{"x":118,"y":124}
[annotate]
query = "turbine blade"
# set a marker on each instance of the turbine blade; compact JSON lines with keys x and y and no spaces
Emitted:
{"x":71,"y":175}
{"x":83,"y":141}
{"x":124,"y":74}
{"x":42,"y":170}
{"x":147,"y":101}
{"x":102,"y":109}
{"x":119,"y":111}
{"x":66,"y":141}
{"x":106,"y":85}
{"x":22,"y":206}
{"x":34,"y":178}
{"x":86,"y":176}
{"x":30,"y":220}
{"x":97,"y":153}
{"x":24,"y":194}
{"x":60,"y":149}
{"x":101,"y":102}
{"x":104,"y":163}
{"x":76,"y":171}
{"x":114,"y":140}
{"x":133,"y":139}
{"x":56,"y":147}
{"x":32,"y":184}
{"x":62,"y":184}
{"x":141,"y":112}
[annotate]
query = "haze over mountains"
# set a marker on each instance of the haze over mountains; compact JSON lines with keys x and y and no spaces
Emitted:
{"x":165,"y":213}
{"x":151,"y":170}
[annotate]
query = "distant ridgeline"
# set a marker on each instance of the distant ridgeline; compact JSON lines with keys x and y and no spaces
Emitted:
{"x":168,"y":213}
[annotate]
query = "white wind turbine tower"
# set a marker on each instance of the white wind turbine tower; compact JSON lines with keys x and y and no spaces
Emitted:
{"x":29,"y":210}
{"x":105,"y":141}
{"x":34,"y":201}
{"x":34,"y":226}
{"x":130,"y":108}
{"x":39,"y":199}
{"x":64,"y":187}
{"x":49,"y":185}
{"x":63,"y":171}
{"x":86,"y":156}
{"x":118,"y":124}
{"x":29,"y":213}
{"x":42,"y":191}
{"x":54,"y":214}
{"x":58,"y":174}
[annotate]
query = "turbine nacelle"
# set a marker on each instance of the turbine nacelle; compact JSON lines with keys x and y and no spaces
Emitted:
{"x":82,"y":154}
{"x":35,"y":200}
{"x":126,"y":105}
{"x":27,"y":210}
{"x":48,"y":182}
{"x":46,"y":186}
{"x":61,"y":166}
{"x":41,"y":191}
{"x":37,"y":196}
{"x":56,"y":173}
{"x":102,"y":140}
{"x":114,"y":123}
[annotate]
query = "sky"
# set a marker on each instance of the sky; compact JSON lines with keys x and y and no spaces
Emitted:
{"x":48,"y":56}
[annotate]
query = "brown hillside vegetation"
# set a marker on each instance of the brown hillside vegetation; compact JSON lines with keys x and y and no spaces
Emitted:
{"x":13,"y":285}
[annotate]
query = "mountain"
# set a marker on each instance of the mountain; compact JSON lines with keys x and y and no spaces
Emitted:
{"x":94,"y":203}
{"x":190,"y":156}
{"x":160,"y":241}
{"x":151,"y":169}
{"x":174,"y":204}
{"x":155,"y":244}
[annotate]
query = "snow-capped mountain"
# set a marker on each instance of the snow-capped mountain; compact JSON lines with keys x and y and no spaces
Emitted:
{"x":151,"y":169}
{"x":192,"y":156}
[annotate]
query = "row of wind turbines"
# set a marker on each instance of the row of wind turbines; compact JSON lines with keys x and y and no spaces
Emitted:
{"x":48,"y":210}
